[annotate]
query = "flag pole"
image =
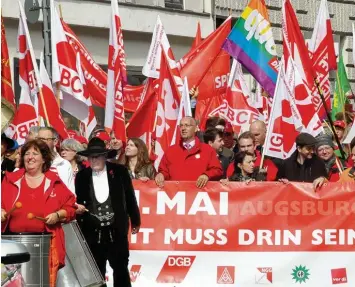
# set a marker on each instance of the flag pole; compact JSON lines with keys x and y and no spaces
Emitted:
{"x":320,"y":92}
{"x":33,"y":58}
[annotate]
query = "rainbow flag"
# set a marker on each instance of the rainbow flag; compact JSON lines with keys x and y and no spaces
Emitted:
{"x":251,"y":42}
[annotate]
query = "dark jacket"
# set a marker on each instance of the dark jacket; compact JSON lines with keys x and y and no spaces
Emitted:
{"x":255,"y":176}
{"x":310,"y":170}
{"x":7,"y":165}
{"x":122,"y":195}
{"x":146,"y":171}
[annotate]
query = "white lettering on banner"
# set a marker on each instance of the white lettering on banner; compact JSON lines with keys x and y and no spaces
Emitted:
{"x":269,"y":237}
{"x":236,"y":117}
{"x":201,"y":203}
{"x":259,"y":28}
{"x":195,"y":237}
{"x":334,"y":237}
{"x":179,"y":261}
{"x":221,"y":81}
{"x":20,"y":132}
{"x":146,"y":235}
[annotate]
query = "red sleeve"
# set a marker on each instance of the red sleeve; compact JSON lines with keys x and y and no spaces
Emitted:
{"x":230,"y":170}
{"x":214,"y":169}
{"x":163,"y":167}
{"x":67,"y":202}
{"x":271,"y":170}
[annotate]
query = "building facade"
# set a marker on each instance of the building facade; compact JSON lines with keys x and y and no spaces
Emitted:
{"x":90,"y":21}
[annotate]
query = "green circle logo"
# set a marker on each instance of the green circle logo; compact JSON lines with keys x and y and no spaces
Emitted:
{"x":300,"y":274}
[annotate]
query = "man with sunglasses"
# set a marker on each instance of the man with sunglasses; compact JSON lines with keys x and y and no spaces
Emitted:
{"x":59,"y":165}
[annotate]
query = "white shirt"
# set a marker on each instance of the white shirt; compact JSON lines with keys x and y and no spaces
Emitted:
{"x":101,"y":187}
{"x":189,"y":145}
{"x":64,"y":170}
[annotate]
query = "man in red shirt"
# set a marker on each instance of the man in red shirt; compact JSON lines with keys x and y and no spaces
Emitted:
{"x":189,"y":159}
{"x":246,"y":142}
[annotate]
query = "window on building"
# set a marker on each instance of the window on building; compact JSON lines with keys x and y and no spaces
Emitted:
{"x":176,"y":4}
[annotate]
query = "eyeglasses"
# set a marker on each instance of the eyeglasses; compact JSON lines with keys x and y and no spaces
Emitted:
{"x":46,"y":139}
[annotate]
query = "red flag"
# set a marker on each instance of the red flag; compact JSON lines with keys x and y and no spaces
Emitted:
{"x":116,"y":77}
{"x":51,"y":104}
{"x":167,"y":109}
{"x":285,"y":120}
{"x":26,"y":115}
{"x":321,"y":48}
{"x":198,"y":38}
{"x":296,"y":52}
{"x":65,"y":70}
{"x":294,"y":45}
{"x":88,"y":124}
{"x":235,"y":107}
{"x":207,"y":66}
{"x":6,"y":83}
{"x":96,"y":78}
{"x":142,"y":123}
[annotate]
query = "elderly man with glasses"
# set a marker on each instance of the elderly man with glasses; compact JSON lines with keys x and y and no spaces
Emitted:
{"x":189,"y":159}
{"x":59,"y":165}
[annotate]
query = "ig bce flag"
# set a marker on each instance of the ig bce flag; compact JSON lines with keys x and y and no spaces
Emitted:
{"x":251,"y":43}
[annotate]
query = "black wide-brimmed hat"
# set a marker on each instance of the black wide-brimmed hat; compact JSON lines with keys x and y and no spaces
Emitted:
{"x":9,"y":142}
{"x":97,"y":147}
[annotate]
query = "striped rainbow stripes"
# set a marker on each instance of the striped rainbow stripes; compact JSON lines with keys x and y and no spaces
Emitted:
{"x":251,"y":42}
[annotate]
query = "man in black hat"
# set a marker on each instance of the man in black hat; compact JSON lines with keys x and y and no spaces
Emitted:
{"x":106,"y":201}
{"x":6,"y":163}
{"x":303,"y":165}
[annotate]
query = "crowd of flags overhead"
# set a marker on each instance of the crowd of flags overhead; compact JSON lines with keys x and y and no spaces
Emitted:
{"x":293,"y":83}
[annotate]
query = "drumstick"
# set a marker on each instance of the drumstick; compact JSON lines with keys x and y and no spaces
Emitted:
{"x":31,"y":216}
{"x":16,"y":206}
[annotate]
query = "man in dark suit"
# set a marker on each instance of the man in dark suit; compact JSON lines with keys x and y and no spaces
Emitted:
{"x":106,"y":201}
{"x":6,"y":163}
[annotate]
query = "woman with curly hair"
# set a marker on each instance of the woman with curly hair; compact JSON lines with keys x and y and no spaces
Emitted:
{"x":41,"y":194}
{"x":137,"y":160}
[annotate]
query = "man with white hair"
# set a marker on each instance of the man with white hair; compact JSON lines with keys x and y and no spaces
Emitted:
{"x":59,"y":165}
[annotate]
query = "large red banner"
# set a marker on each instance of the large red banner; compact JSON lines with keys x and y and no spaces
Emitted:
{"x":244,"y":234}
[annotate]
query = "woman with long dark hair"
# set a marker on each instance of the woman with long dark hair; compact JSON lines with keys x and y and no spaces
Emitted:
{"x":137,"y":160}
{"x":244,"y":169}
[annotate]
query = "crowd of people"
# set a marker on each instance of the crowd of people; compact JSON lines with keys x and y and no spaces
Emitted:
{"x":58,"y":180}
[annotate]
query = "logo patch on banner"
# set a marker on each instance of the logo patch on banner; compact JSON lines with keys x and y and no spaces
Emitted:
{"x":225,"y":274}
{"x":263,"y":275}
{"x":134,"y":272}
{"x":175,"y":269}
{"x":300,"y":274}
{"x":339,"y":276}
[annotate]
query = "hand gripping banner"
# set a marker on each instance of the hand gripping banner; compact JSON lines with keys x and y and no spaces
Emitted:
{"x":244,"y":235}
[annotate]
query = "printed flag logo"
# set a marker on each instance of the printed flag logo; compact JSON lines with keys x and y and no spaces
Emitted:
{"x":339,"y":276}
{"x":175,"y":269}
{"x":263,"y":275}
{"x":134,"y":272}
{"x":225,"y":274}
{"x":300,"y":274}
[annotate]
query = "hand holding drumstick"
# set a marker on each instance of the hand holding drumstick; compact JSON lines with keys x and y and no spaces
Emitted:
{"x":4,"y":214}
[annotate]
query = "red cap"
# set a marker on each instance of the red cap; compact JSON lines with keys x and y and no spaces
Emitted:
{"x":81,"y":139}
{"x":340,"y":124}
{"x":103,"y":136}
{"x":228,"y":128}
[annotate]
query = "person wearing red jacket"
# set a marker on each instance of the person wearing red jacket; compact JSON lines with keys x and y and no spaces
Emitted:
{"x":37,"y":191}
{"x":246,"y":142}
{"x":189,"y":159}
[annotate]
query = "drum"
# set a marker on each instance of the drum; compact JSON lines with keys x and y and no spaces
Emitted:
{"x":35,"y":272}
{"x":80,"y":267}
